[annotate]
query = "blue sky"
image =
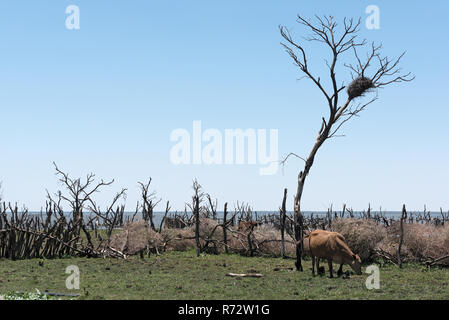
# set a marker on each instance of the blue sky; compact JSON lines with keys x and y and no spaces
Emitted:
{"x":105,"y":99}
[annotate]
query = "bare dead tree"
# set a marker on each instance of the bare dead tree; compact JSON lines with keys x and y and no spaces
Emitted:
{"x":212,"y":207}
{"x":110,"y":217}
{"x":149,"y":202}
{"x":371,"y":72}
{"x":401,"y":234}
{"x":225,"y":223}
{"x":283,"y":217}
{"x":197,"y":199}
{"x":78,"y":192}
{"x":329,"y":217}
{"x":167,"y":209}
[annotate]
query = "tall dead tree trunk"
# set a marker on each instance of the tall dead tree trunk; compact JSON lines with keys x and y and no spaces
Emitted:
{"x":225,"y":224}
{"x":149,"y":202}
{"x":196,"y":212}
{"x":195,"y":207}
{"x":384,"y":73}
{"x":298,"y":216}
{"x":167,"y":209}
{"x":401,"y":234}
{"x":283,"y":217}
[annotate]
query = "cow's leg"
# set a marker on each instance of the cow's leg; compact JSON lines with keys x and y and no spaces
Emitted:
{"x":340,"y":270}
{"x":329,"y":261}
{"x":318,"y":265}
{"x":313,"y":265}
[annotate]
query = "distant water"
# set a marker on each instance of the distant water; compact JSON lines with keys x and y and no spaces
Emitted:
{"x":158,"y":215}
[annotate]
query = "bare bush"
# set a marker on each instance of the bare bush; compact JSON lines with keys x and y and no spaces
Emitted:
{"x":209,"y":229}
{"x":427,"y":241}
{"x":178,"y":239}
{"x":268,"y":242}
{"x":136,"y":237}
{"x":362,"y":235}
{"x":422,"y":242}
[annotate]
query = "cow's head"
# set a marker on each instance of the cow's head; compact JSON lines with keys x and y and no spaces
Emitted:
{"x":356,"y":264}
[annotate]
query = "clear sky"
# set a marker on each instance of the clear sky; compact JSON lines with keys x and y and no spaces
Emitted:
{"x":106,"y":97}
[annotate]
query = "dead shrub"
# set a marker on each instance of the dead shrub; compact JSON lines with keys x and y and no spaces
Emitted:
{"x":135,"y":237}
{"x":211,"y":236}
{"x":237,"y":243}
{"x":426,"y":241}
{"x":362,"y":235}
{"x":209,"y":229}
{"x":184,"y":239}
{"x":268,"y":240}
{"x":422,"y":242}
{"x":265,"y":239}
{"x":178,"y":239}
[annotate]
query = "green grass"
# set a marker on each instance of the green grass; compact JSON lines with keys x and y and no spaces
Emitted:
{"x":181,"y":275}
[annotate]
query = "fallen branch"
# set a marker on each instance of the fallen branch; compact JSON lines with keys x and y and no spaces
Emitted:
{"x":116,"y":253}
{"x":432,"y":262}
{"x":243,"y":275}
{"x":385,"y":255}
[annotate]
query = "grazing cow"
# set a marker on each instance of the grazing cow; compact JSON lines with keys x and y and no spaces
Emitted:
{"x":332,"y":246}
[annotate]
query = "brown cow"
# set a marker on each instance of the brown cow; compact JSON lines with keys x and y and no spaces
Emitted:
{"x":332,"y":246}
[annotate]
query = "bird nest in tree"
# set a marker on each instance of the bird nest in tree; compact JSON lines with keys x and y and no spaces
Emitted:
{"x":359,"y":87}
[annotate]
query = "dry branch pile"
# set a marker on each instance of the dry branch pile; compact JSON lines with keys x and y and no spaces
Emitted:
{"x":137,"y":237}
{"x":362,"y":235}
{"x":23,"y":235}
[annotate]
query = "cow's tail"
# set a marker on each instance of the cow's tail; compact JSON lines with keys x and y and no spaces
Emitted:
{"x":304,"y":238}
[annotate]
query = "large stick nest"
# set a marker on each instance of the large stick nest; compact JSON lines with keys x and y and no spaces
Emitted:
{"x":359,"y":87}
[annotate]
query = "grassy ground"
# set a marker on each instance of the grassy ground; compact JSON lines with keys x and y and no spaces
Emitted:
{"x":181,"y":275}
